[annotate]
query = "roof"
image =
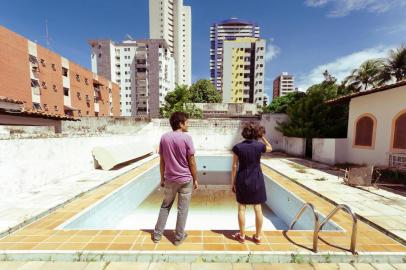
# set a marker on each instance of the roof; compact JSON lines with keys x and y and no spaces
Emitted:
{"x":38,"y":114}
{"x":348,"y":97}
{"x":235,"y":21}
{"x":10,"y":100}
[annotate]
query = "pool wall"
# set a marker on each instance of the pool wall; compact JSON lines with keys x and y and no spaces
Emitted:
{"x":212,"y":171}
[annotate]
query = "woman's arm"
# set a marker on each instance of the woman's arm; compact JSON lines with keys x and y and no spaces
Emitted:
{"x":267,"y":144}
{"x":234,"y":169}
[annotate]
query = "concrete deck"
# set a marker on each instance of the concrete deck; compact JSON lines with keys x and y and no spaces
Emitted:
{"x":20,"y":209}
{"x":381,"y":207}
{"x":191,"y":266}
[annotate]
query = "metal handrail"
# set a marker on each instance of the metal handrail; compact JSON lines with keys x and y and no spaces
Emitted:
{"x":346,"y":208}
{"x":316,"y":223}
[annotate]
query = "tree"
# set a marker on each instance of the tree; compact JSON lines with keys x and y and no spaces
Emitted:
{"x":395,"y":65}
{"x":203,"y":91}
{"x":281,"y":104}
{"x":177,"y":101}
{"x":310,"y":117}
{"x":367,"y":76}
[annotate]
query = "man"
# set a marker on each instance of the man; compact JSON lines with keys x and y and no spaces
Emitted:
{"x":178,"y":170}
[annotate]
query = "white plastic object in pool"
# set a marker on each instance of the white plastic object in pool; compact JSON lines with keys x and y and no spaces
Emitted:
{"x":109,"y":156}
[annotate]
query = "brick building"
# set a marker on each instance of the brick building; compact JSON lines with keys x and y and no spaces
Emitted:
{"x":48,"y":82}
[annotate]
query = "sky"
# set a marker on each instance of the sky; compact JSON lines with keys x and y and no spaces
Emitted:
{"x":304,"y":37}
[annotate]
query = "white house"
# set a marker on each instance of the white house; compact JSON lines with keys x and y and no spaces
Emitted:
{"x":376,"y":128}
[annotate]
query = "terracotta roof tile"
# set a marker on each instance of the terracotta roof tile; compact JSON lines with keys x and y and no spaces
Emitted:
{"x":39,"y":114}
{"x":10,"y":100}
{"x":364,"y":93}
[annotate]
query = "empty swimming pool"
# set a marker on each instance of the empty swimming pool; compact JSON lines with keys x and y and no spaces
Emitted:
{"x":135,"y":206}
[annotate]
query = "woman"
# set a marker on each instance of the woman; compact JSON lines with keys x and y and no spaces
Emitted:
{"x":247,"y":180}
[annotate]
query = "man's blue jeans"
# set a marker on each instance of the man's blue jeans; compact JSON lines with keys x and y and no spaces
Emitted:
{"x":184,"y":192}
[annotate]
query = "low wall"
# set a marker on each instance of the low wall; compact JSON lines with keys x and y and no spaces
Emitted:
{"x":295,"y":146}
{"x":330,"y":151}
{"x":88,"y":126}
{"x":30,"y":163}
{"x":270,"y":122}
{"x":208,"y":134}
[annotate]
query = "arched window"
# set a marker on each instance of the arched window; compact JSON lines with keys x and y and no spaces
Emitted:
{"x":399,"y":133}
{"x":364,"y":131}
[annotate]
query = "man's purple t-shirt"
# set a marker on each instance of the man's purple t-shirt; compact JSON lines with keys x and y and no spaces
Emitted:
{"x":175,"y":147}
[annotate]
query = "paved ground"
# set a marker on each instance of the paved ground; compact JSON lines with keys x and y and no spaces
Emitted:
{"x":189,"y":266}
{"x":381,"y":207}
{"x":18,"y":208}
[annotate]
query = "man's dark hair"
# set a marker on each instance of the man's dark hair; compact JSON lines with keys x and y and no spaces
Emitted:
{"x":177,"y":118}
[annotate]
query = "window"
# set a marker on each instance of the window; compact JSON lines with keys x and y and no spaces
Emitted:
{"x":34,"y":83}
{"x":364,"y":131}
{"x":56,"y":108}
{"x":36,"y":106}
{"x":42,"y":62}
{"x":44,"y":85}
{"x":45,"y":107}
{"x":53,"y":67}
{"x":86,"y":81}
{"x":78,"y":77}
{"x":54,"y":88}
{"x":78,"y":95}
{"x":66,"y":91}
{"x":399,"y":131}
{"x":65,"y":72}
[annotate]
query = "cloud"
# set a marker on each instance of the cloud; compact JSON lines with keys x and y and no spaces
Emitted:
{"x":342,"y":8}
{"x":400,"y":28}
{"x":342,"y":66}
{"x":271,"y":50}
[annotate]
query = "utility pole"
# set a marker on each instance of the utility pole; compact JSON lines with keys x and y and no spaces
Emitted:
{"x":47,"y":39}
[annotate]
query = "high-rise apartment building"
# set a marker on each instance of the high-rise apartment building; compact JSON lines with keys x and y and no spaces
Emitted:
{"x":244,"y":70}
{"x":46,"y":81}
{"x":230,"y":29}
{"x":283,"y":85}
{"x":172,"y":21}
{"x":144,"y":69}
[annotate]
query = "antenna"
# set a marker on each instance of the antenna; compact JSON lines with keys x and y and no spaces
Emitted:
{"x":129,"y":37}
{"x":47,"y":39}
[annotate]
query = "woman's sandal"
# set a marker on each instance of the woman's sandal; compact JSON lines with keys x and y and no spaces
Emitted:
{"x":239,"y":238}
{"x":256,"y":240}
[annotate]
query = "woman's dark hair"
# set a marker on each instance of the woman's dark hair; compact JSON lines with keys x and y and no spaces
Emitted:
{"x":252,"y":131}
{"x":261,"y":131}
{"x":177,"y":118}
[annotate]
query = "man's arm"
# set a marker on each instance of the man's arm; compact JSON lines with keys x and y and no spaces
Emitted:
{"x":193,"y":170}
{"x":162,"y":167}
{"x":234,"y":169}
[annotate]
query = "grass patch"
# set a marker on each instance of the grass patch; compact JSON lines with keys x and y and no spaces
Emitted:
{"x":301,"y":170}
{"x":298,"y":168}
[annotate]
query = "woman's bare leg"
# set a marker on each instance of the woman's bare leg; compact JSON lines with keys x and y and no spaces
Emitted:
{"x":259,"y":219}
{"x":241,"y":219}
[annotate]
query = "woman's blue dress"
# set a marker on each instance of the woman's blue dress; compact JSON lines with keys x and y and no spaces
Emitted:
{"x":250,"y":185}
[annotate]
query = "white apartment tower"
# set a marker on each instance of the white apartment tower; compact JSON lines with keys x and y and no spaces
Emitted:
{"x":172,"y":21}
{"x":283,"y":85}
{"x":144,"y":70}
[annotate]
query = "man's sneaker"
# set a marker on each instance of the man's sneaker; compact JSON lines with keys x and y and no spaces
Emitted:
{"x":180,"y":241}
{"x":155,"y":239}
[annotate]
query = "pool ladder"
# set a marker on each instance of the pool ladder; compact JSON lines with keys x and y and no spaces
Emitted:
{"x":318,"y":226}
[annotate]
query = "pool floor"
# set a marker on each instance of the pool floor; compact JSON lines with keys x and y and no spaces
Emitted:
{"x":212,"y":207}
